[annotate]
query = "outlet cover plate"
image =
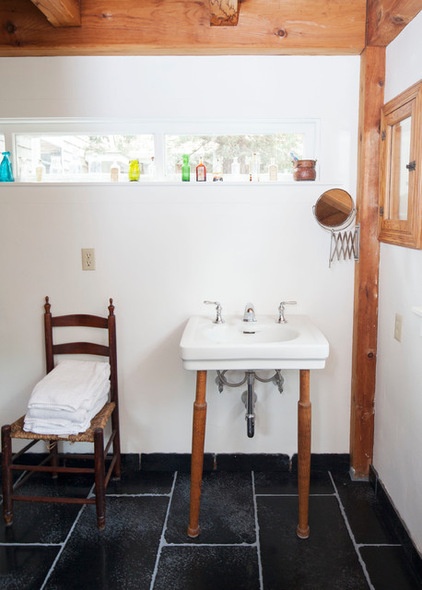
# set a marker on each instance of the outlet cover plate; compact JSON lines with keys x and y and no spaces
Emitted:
{"x":88,"y":258}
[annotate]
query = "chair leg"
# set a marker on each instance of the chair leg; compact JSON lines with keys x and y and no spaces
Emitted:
{"x":99,"y":477}
{"x":117,"y":470}
{"x":7,"y":480}
{"x":52,"y":447}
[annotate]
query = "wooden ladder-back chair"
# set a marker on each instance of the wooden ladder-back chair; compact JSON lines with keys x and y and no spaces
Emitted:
{"x":106,"y":457}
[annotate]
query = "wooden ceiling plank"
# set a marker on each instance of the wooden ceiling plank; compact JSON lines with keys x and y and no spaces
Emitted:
{"x":182,"y":27}
{"x":387,"y":18}
{"x":60,"y":13}
{"x":224,"y":13}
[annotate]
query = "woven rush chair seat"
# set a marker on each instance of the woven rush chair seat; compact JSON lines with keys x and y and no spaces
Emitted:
{"x":98,"y":421}
{"x":105,"y":458}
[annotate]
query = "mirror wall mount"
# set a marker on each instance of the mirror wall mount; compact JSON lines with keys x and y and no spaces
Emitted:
{"x":334,"y":212}
{"x":400,"y":170}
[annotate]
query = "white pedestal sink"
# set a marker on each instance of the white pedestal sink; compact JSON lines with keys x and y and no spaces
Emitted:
{"x":251,"y":346}
{"x":263,"y":344}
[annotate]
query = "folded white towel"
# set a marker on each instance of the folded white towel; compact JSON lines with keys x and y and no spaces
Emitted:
{"x":55,"y":413}
{"x":62,"y":425}
{"x":69,"y":385}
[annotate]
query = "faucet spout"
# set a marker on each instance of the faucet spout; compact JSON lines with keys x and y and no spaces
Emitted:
{"x":249,"y":313}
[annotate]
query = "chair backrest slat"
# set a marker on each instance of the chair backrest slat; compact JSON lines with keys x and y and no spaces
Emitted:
{"x":89,"y":321}
{"x":90,"y":348}
{"x":81,"y":348}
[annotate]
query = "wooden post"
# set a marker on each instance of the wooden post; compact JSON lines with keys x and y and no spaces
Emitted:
{"x":366,"y":269}
{"x":60,"y":13}
{"x":224,"y":13}
{"x":197,"y":462}
{"x":304,"y":453}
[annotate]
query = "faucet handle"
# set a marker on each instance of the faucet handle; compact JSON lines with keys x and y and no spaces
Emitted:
{"x":281,"y":318}
{"x":218,"y":310}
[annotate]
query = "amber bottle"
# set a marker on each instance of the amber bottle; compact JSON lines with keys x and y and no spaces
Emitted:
{"x":201,"y":172}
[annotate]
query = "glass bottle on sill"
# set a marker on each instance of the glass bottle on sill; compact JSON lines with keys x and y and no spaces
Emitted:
{"x":272,"y":171}
{"x":201,"y":172}
{"x":39,"y":171}
{"x":185,"y":168}
{"x":235,"y":169}
{"x":152,"y":171}
{"x":255,"y":168}
{"x":6,"y":172}
{"x":24,"y":170}
{"x":217,"y":174}
{"x":114,"y":172}
{"x":134,"y":170}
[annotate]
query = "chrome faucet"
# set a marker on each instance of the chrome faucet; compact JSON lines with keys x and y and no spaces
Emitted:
{"x":218,"y":311}
{"x":249,"y":313}
{"x":281,"y":307}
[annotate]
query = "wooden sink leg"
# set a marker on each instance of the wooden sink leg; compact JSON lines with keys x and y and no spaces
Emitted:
{"x":304,"y":453}
{"x":197,"y":461}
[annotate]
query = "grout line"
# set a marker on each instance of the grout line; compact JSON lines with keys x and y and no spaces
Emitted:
{"x":142,"y":495}
{"x":351,"y":535}
{"x":63,"y":545}
{"x":211,"y":544}
{"x":262,"y":494}
{"x":163,"y":531}
{"x":258,"y":545}
{"x":378,"y":545}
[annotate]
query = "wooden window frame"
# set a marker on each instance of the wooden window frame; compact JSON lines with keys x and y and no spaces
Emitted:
{"x":402,"y":232}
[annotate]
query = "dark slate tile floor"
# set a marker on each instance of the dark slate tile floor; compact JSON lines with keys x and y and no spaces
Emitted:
{"x":247,"y":542}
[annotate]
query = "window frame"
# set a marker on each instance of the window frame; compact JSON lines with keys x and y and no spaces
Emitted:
{"x":392,"y":230}
{"x":159,"y":128}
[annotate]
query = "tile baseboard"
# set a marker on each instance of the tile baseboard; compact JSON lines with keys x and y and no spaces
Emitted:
{"x":243,"y":462}
{"x":393,"y":520}
{"x":224,"y":461}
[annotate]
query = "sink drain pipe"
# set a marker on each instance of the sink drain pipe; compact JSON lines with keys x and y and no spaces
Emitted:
{"x":249,"y":397}
{"x":250,"y":404}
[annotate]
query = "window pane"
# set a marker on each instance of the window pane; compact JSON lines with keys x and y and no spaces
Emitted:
{"x":2,"y":143}
{"x":81,"y":157}
{"x":234,"y":157}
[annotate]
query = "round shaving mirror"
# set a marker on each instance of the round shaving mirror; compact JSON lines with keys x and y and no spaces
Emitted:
{"x":334,"y":210}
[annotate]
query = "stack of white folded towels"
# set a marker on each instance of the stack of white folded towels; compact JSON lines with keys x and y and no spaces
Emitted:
{"x":67,"y":398}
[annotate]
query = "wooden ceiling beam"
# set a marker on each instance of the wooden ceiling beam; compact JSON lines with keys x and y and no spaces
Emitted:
{"x":60,"y":13}
{"x":182,"y":27}
{"x":387,"y":18}
{"x":224,"y":13}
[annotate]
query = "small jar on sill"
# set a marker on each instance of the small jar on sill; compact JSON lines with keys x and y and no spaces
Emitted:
{"x":304,"y":170}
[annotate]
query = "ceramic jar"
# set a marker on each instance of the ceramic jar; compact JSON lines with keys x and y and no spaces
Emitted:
{"x":304,"y":170}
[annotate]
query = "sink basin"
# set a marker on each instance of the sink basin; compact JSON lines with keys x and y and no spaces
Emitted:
{"x":263,"y":344}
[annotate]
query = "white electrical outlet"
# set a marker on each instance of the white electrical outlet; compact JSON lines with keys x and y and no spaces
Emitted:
{"x":88,"y":258}
{"x":398,"y":323}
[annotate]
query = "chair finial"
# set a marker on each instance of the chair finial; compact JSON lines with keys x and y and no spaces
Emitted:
{"x":47,"y":305}
{"x":111,"y":307}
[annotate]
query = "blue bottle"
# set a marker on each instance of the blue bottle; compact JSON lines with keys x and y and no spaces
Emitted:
{"x":6,"y":173}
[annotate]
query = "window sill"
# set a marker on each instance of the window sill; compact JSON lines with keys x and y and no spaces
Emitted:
{"x":164,"y":183}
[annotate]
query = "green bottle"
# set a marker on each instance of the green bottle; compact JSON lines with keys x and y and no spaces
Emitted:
{"x":185,"y":168}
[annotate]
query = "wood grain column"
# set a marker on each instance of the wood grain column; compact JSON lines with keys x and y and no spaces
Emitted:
{"x":304,"y":453}
{"x":365,"y":324}
{"x":197,"y":461}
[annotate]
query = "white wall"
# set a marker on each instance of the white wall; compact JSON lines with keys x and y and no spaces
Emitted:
{"x":398,"y":401}
{"x":161,"y":250}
